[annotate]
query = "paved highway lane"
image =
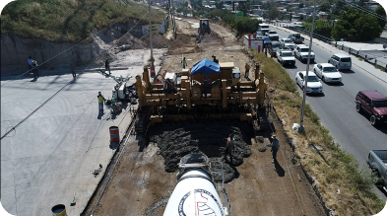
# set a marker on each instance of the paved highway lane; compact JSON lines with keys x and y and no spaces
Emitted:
{"x":336,"y":106}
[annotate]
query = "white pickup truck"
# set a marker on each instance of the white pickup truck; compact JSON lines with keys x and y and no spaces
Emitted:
{"x":377,"y":161}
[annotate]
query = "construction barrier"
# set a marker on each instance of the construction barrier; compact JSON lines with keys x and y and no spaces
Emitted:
{"x":114,"y":134}
{"x":59,"y":210}
{"x":152,"y":71}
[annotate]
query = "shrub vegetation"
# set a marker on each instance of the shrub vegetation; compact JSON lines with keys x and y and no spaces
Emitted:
{"x":68,"y":20}
{"x":333,"y":169}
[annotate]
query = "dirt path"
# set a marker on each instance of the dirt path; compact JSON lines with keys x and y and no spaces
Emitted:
{"x":141,"y":186}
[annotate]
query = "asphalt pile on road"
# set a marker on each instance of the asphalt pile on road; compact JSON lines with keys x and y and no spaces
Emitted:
{"x":176,"y":140}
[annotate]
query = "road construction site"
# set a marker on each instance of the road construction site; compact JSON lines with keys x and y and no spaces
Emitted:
{"x":142,"y":175}
{"x":61,"y":153}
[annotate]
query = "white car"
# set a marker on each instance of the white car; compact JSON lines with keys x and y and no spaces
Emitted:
{"x":286,"y":57}
{"x":327,"y":72}
{"x":287,"y":42}
{"x":273,"y":35}
{"x":301,"y":52}
{"x":314,"y":85}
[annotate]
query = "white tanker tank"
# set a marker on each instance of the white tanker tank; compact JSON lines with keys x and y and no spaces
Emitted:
{"x":195,"y":192}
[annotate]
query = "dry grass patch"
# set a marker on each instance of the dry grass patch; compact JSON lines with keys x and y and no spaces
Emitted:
{"x":345,"y":188}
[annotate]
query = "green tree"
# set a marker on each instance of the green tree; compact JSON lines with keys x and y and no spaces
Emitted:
{"x":273,"y":13}
{"x":326,"y":7}
{"x":362,"y":3}
{"x":339,"y":6}
{"x":247,"y":25}
{"x":321,"y":27}
{"x":245,"y":7}
{"x":354,"y":25}
{"x":196,"y":4}
{"x":179,"y":10}
{"x":381,"y":12}
{"x":219,"y":4}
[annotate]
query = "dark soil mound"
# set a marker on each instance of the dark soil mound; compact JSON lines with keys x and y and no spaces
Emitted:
{"x":176,"y":140}
{"x":130,"y":41}
{"x":159,"y":41}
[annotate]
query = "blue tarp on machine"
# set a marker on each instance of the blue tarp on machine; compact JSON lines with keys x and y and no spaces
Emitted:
{"x":205,"y":66}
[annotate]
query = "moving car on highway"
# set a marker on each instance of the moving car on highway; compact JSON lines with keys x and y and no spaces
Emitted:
{"x":259,"y":34}
{"x":274,"y":46}
{"x":327,"y":72}
{"x":286,"y":57}
{"x":302,"y":51}
{"x":287,"y":42}
{"x":273,"y":35}
{"x":314,"y":85}
{"x":264,"y":28}
{"x":341,"y":61}
{"x":296,"y":38}
{"x":374,"y":104}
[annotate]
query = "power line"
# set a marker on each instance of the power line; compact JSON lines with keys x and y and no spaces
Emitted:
{"x":365,"y":10}
{"x":62,"y":52}
{"x":50,"y":98}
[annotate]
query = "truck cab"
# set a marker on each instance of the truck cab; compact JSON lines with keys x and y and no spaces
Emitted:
{"x":377,"y":161}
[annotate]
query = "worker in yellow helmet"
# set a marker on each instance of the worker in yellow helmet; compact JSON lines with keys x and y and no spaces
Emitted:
{"x":101,"y":99}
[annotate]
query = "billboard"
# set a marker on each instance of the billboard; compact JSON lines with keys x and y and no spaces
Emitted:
{"x":145,"y":29}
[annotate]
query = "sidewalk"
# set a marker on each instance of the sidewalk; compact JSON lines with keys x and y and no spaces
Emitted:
{"x":367,"y":67}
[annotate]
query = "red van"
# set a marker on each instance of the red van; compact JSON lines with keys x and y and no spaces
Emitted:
{"x":373,"y":103}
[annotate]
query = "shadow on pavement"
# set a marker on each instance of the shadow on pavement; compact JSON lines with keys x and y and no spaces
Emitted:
{"x":316,"y":95}
{"x":382,"y":128}
{"x":335,"y":84}
{"x":114,"y":145}
{"x":280,"y":171}
{"x":347,"y":71}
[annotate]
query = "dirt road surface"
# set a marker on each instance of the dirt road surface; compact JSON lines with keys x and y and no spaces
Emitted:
{"x":141,"y":186}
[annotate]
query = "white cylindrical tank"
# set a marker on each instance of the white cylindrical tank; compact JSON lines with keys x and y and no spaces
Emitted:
{"x":194,"y":195}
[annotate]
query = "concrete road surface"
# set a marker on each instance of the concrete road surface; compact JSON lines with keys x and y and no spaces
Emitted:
{"x":51,"y":156}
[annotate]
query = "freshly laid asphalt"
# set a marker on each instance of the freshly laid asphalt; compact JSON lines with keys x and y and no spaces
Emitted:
{"x":50,"y":157}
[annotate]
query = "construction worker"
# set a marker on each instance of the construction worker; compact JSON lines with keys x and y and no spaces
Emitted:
{"x":229,"y":146}
{"x":262,"y":88}
{"x":101,"y":99}
{"x":247,"y":67}
{"x":206,"y":85}
{"x":107,"y":66}
{"x":184,"y":63}
{"x":72,"y":69}
{"x":32,"y":64}
{"x":274,"y":147}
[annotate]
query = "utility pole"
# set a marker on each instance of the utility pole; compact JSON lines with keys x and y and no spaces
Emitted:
{"x":301,"y":130}
{"x":152,"y":68}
